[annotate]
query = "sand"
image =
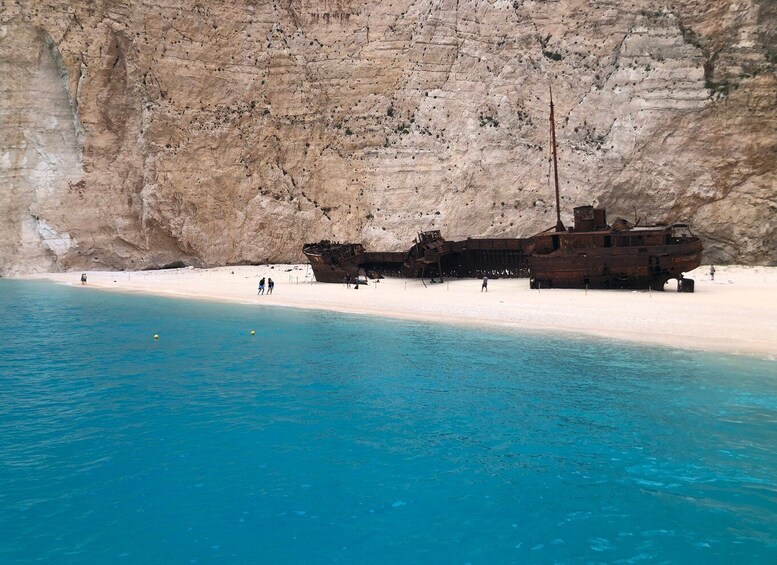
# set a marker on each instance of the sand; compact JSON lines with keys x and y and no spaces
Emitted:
{"x":736,"y":313}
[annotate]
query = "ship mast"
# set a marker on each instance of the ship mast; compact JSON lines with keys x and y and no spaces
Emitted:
{"x":559,"y":225}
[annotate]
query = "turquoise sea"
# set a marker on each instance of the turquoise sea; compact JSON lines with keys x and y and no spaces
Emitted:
{"x":331,"y":438}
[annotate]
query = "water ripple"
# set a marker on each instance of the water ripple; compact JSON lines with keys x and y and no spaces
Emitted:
{"x":340,"y":438}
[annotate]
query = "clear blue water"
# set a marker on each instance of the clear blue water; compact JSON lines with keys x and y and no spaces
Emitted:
{"x":332,"y":438}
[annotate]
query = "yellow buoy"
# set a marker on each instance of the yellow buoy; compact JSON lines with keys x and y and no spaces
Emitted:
{"x":252,"y":332}
{"x":156,"y":336}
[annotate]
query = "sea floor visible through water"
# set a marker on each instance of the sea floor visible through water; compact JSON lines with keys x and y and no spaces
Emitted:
{"x":334,"y":438}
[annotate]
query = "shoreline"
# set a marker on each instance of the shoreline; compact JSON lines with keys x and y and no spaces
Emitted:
{"x":735,"y":314}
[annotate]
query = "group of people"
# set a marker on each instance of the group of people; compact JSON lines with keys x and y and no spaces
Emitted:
{"x":347,"y":281}
{"x":270,"y":286}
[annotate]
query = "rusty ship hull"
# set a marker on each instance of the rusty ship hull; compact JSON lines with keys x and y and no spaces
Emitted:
{"x":601,"y":259}
{"x":594,"y":254}
{"x":332,"y":262}
{"x":642,"y":268}
{"x":430,"y":255}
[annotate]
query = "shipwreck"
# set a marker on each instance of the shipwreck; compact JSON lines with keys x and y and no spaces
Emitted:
{"x":590,"y":254}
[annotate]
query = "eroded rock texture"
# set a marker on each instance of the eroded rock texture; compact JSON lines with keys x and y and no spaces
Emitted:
{"x":140,"y":134}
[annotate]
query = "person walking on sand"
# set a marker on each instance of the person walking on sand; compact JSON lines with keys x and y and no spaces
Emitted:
{"x":484,"y":286}
{"x":712,"y":272}
{"x":270,"y":286}
{"x":83,"y":278}
{"x":261,"y":286}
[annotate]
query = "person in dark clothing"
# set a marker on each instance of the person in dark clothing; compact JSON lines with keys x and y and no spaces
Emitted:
{"x":270,"y":286}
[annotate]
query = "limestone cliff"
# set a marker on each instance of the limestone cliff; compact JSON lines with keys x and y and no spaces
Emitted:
{"x":140,"y":134}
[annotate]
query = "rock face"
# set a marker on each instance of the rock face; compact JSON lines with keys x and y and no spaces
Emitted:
{"x":141,"y":134}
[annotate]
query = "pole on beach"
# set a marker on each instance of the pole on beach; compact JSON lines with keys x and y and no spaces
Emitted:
{"x":586,"y":289}
{"x":405,"y":285}
{"x":650,"y":291}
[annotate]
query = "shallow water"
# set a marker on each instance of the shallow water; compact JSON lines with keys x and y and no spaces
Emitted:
{"x":333,"y":438}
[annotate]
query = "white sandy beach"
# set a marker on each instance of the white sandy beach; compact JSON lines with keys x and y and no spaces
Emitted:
{"x":735,"y":313}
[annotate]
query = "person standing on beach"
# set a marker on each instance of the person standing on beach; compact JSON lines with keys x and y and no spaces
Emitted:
{"x":270,"y":286}
{"x":712,"y":272}
{"x":83,"y":278}
{"x":261,"y":286}
{"x":347,"y":280}
{"x":484,"y":286}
